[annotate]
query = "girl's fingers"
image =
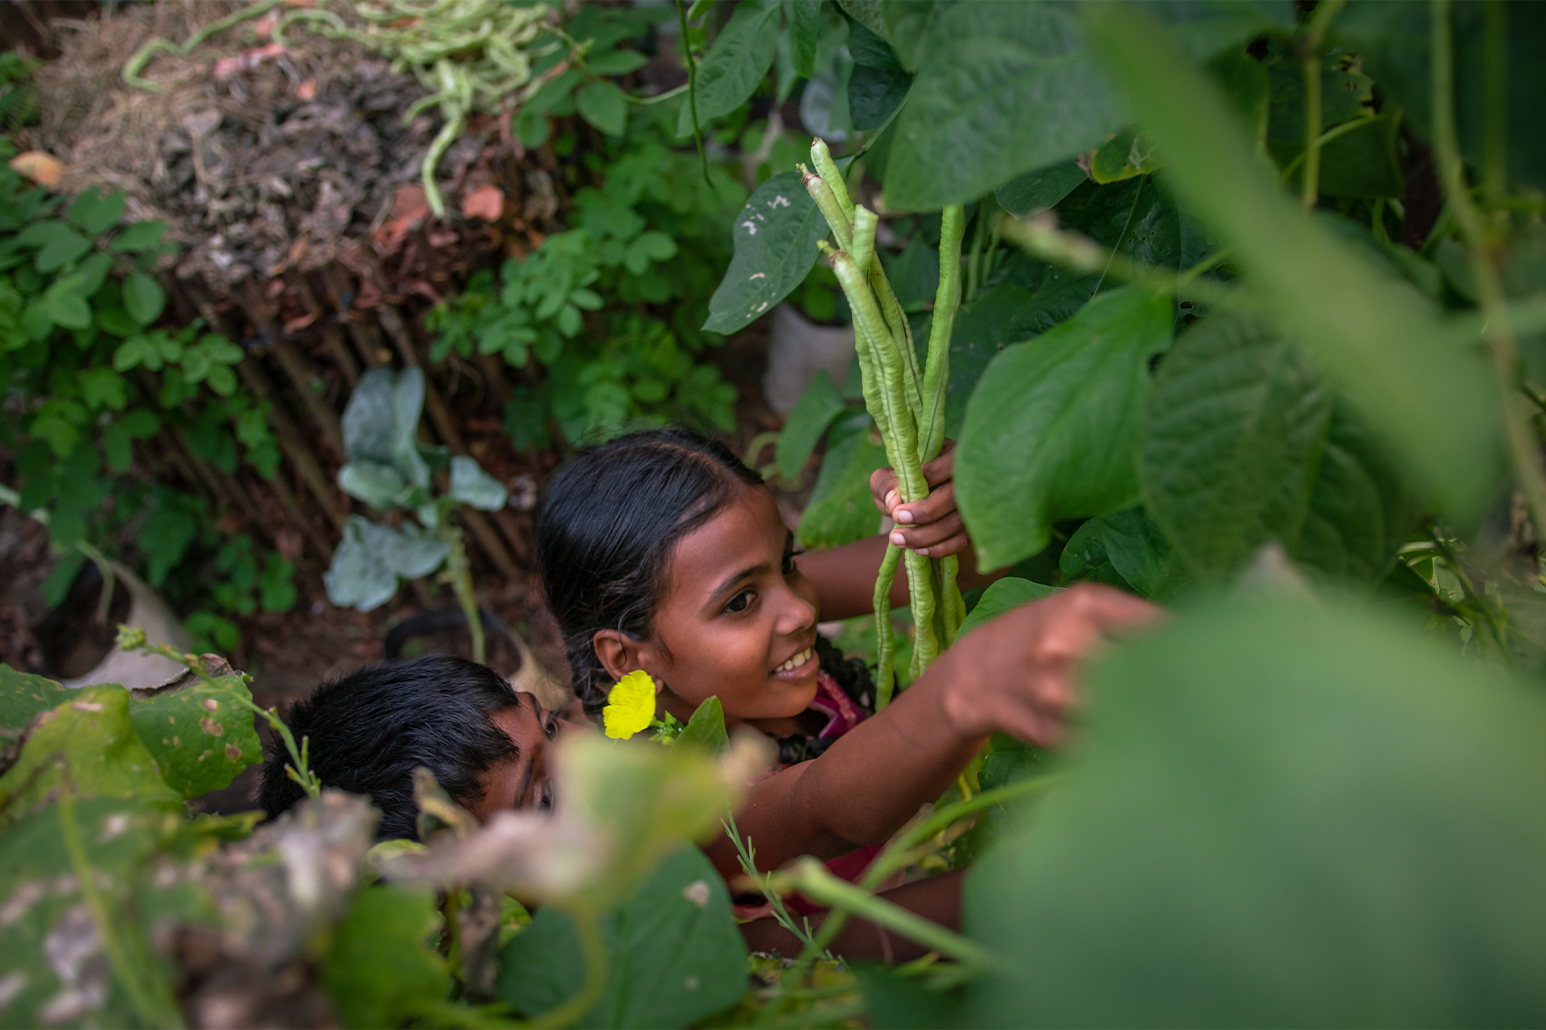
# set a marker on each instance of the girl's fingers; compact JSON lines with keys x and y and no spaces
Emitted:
{"x":929,"y":536}
{"x":939,"y":504}
{"x":883,"y":490}
{"x":942,"y":468}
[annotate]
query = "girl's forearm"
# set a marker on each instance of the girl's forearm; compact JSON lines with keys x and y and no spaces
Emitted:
{"x":866,"y":785}
{"x":844,"y":577}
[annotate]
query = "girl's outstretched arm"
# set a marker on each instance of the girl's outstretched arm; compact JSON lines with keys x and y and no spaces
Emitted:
{"x":844,"y":577}
{"x":1013,"y":675}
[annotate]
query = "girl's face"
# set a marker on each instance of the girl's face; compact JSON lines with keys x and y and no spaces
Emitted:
{"x":737,"y":621}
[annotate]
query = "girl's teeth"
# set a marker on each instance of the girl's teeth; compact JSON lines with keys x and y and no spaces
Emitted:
{"x":795,"y":662}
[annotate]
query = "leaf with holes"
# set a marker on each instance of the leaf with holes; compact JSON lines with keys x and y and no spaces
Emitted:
{"x":200,"y":735}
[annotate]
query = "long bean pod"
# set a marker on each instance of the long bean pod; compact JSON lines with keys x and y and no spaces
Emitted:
{"x":827,"y":202}
{"x":947,"y":300}
{"x":821,"y":157}
{"x":885,"y":643}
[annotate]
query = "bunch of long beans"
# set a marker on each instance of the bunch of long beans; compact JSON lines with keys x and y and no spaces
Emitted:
{"x":906,"y":402}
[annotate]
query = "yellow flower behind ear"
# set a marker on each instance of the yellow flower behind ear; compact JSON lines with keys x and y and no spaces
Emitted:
{"x":630,"y":706}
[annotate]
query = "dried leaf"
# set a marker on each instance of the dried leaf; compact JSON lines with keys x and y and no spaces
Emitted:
{"x":39,"y":167}
{"x":485,"y":202}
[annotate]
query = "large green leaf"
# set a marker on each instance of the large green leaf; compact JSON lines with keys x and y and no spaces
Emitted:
{"x":371,"y":557}
{"x":775,"y":247}
{"x":1394,"y":38}
{"x":1011,"y":86}
{"x":52,"y":960}
{"x":675,"y":954}
{"x":735,"y":63}
{"x":1287,"y":812}
{"x":1001,"y":596}
{"x":842,"y":509}
{"x":23,"y":695}
{"x":1125,"y":550}
{"x":1233,"y":435}
{"x":201,"y":736}
{"x":1361,"y":509}
{"x":92,"y":736}
{"x":983,"y":328}
{"x":809,"y":419}
{"x":804,"y":18}
{"x":603,"y":105}
{"x":1052,"y":430}
{"x":1003,"y":88}
{"x":877,"y":85}
{"x":1379,"y":340}
{"x":379,"y":970}
{"x":378,"y":485}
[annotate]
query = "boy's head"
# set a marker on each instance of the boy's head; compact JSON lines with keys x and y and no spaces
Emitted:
{"x":662,"y":551}
{"x":368,"y":731}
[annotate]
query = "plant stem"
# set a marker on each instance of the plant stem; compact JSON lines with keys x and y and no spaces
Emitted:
{"x":900,"y":852}
{"x":460,"y":574}
{"x":1310,"y":58}
{"x":692,"y":89}
{"x":1494,"y":101}
{"x":153,"y":1004}
{"x":1325,"y":138}
{"x":1524,"y":445}
{"x":809,"y":877}
{"x":109,"y":581}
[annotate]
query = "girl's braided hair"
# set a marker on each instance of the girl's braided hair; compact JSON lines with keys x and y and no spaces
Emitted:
{"x":606,"y":528}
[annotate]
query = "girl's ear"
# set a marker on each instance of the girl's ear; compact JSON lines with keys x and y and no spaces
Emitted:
{"x":619,"y":653}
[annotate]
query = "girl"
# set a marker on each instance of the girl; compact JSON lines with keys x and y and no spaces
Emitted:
{"x":661,"y":551}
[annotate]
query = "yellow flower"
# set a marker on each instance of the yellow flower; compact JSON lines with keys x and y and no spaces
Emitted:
{"x":630,"y":706}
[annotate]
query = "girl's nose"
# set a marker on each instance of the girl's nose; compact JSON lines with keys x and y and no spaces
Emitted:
{"x":796,"y":615}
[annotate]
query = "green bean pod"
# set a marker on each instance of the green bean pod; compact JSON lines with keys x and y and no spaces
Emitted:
{"x":950,"y":600}
{"x":947,"y":300}
{"x":831,"y":210}
{"x":821,"y":157}
{"x":920,"y":585}
{"x":885,"y":642}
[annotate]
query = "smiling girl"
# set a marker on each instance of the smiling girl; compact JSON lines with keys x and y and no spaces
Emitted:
{"x":662,"y":552}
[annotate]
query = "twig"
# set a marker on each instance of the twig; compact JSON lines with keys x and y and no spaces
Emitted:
{"x":692,"y":90}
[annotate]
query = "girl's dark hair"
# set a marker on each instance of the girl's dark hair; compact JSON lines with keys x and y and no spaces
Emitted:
{"x":371,"y":729}
{"x":606,"y":528}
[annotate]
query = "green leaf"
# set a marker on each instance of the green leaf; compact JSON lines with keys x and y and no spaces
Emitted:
{"x":101,"y":387}
{"x":379,"y":970}
{"x":1376,"y":338}
{"x":96,"y":214}
{"x":909,"y":28}
{"x":1001,"y":596}
{"x":474,"y":487}
{"x":804,"y":17}
{"x":380,"y":486}
{"x":735,"y":64}
{"x":381,"y":422}
{"x":92,"y":735}
{"x":841,"y":509}
{"x":1003,"y":88}
{"x":1052,"y":430}
{"x":1286,"y":806}
{"x":117,"y":447}
{"x":1361,"y":509}
{"x":1128,"y":551}
{"x":66,"y":307}
{"x":1040,"y":189}
{"x":1127,"y":154}
{"x":23,"y":695}
{"x":200,"y":736}
{"x":675,"y":954}
{"x":877,"y":85}
{"x":706,"y":727}
{"x":141,"y":423}
{"x":140,"y":236}
{"x":63,"y":246}
{"x":1086,"y":560}
{"x":775,"y":238}
{"x":807,"y":423}
{"x":614,"y":62}
{"x":143,"y":298}
{"x":531,"y":127}
{"x":1235,"y":429}
{"x":370,"y":559}
{"x":89,"y":275}
{"x":602,"y":104}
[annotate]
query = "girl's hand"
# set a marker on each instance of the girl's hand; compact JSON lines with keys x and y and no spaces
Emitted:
{"x":1016,"y":674}
{"x":932,"y":526}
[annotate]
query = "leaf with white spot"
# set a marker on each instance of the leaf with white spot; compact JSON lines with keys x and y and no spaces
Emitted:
{"x":775,"y":246}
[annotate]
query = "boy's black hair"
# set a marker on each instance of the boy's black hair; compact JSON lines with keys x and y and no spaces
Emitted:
{"x":606,"y":527}
{"x":372,"y":728}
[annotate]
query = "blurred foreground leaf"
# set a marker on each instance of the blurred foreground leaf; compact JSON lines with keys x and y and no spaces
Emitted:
{"x":1287,"y":813}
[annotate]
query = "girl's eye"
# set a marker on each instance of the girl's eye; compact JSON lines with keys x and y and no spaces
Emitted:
{"x":545,"y":802}
{"x":740,"y":602}
{"x":550,"y":727}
